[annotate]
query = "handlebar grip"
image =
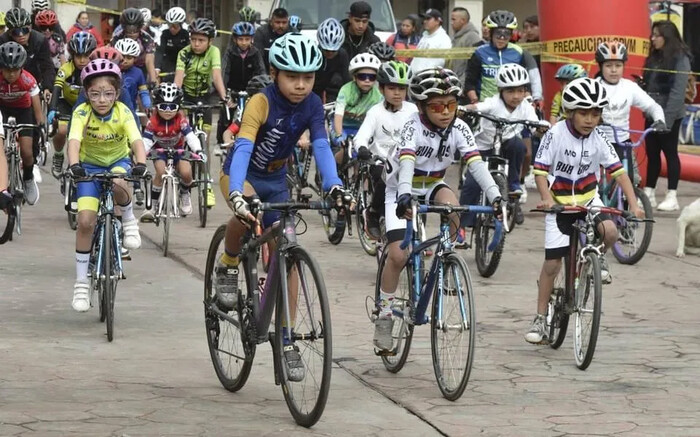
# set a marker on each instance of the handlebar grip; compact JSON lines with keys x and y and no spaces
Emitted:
{"x":497,"y":235}
{"x":409,"y":234}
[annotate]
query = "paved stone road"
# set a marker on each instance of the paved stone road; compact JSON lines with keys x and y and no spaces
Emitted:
{"x":59,"y":376}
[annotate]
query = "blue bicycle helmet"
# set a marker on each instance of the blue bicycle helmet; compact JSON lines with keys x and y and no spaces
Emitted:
{"x":243,"y":28}
{"x":570,"y":72}
{"x":295,"y":23}
{"x":331,"y":35}
{"x":82,"y":43}
{"x":295,"y":52}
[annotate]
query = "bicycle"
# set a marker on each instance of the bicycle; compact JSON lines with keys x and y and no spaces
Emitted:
{"x":362,"y":189}
{"x":335,"y":222}
{"x":43,"y":139}
{"x":105,"y":267}
{"x":448,"y":283}
{"x":298,"y":175}
{"x":628,"y":249}
{"x":241,"y":98}
{"x":168,"y":209}
{"x":233,"y":336}
{"x":578,"y":287}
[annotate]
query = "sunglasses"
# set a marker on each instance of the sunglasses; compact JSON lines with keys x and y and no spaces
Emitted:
{"x":43,"y":28}
{"x":20,"y":31}
{"x":366,"y":77}
{"x":439,"y":108}
{"x":168,"y":107}
{"x":503,"y":33}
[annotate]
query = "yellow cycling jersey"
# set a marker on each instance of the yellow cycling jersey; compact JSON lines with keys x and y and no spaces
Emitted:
{"x":103,"y":140}
{"x":68,"y":79}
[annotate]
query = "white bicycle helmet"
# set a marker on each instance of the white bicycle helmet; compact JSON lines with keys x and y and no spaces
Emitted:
{"x":512,"y":75}
{"x":175,"y":15}
{"x":330,"y":35}
{"x":435,"y":82}
{"x":364,"y":60}
{"x":584,"y":93}
{"x":146,"y":15}
{"x":167,"y":92}
{"x":40,"y":5}
{"x":128,"y":47}
{"x":295,"y":52}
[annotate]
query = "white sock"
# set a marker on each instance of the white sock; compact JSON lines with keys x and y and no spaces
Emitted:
{"x":81,"y":266}
{"x":385,"y":300}
{"x":128,"y":212}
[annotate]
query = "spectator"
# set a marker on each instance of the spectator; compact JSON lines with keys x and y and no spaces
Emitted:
{"x":465,"y":35}
{"x":531,"y":29}
{"x":485,"y":33}
{"x":191,"y":16}
{"x":267,"y":34}
{"x":434,"y":37}
{"x":668,"y":53}
{"x":406,"y":38}
{"x":359,"y":31}
{"x":82,"y":23}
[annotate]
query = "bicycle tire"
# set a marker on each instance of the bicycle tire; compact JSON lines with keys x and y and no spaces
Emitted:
{"x":17,"y":191}
{"x":401,"y":331}
{"x":202,"y":179}
{"x":584,"y":353}
{"x":334,"y":225}
{"x":108,"y":284}
{"x":464,"y":296}
{"x":487,"y":262}
{"x":626,"y":227}
{"x":166,"y":213}
{"x":557,"y":317}
{"x":512,"y":210}
{"x":213,"y":325}
{"x":307,"y":337}
{"x":361,"y":206}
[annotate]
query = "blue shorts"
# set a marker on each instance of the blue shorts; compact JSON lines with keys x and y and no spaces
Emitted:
{"x":89,"y":192}
{"x":269,"y":188}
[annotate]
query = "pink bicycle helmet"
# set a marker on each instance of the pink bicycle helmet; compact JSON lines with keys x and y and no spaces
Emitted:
{"x":100,"y":67}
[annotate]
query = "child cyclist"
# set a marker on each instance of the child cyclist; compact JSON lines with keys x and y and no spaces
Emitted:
{"x":564,"y":75}
{"x":168,"y":128}
{"x":575,"y":182}
{"x":66,"y":89}
{"x":101,"y":133}
{"x":381,"y":129}
{"x":273,"y":121}
{"x":418,"y":167}
{"x":512,"y":81}
{"x":5,"y":196}
{"x":354,"y":99}
{"x":46,"y":22}
{"x":133,"y":79}
{"x":19,"y":98}
{"x":623,"y":94}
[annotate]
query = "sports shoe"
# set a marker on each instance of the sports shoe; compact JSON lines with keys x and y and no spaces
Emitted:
{"x":382,"y":332}
{"x":651,"y":195}
{"x":138,"y":194}
{"x":538,"y":331}
{"x":226,"y":286}
{"x":515,"y":189}
{"x":530,"y":181}
{"x":294,"y":363}
{"x":463,"y":238}
{"x":211,"y":198}
{"x":523,"y":197}
{"x":519,"y":216}
{"x":132,"y":237}
{"x":373,"y":229}
{"x":37,"y":174}
{"x":605,"y":275}
{"x":185,"y":203}
{"x":31,"y":191}
{"x":57,"y":165}
{"x":670,"y":203}
{"x":81,"y":300}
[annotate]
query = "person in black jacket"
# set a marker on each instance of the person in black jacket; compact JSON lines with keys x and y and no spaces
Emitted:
{"x":171,"y":42}
{"x":359,"y":31}
{"x":332,"y":75}
{"x":267,"y":34}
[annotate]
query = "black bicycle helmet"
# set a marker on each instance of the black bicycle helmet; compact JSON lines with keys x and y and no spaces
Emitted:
{"x":383,"y":51}
{"x":82,"y":43}
{"x":203,"y":26}
{"x":16,"y":18}
{"x":257,"y":83}
{"x":12,"y":55}
{"x":131,"y":17}
{"x":501,"y":18}
{"x":167,"y":93}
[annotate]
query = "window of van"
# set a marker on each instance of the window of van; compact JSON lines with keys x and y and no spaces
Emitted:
{"x":313,"y":12}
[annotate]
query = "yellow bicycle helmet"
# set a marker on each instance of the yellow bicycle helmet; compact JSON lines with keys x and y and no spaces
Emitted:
{"x":2,"y":19}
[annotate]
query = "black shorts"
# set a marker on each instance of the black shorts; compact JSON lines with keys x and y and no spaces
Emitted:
{"x":207,"y":99}
{"x":565,"y":223}
{"x":22,"y":116}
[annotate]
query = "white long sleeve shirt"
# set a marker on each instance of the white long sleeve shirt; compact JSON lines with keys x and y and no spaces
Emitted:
{"x":623,"y":96}
{"x":381,"y":128}
{"x":495,"y":106}
{"x":437,"y":40}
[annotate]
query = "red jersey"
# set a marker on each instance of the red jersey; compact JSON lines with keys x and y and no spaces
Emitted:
{"x":167,"y":133}
{"x":18,"y":94}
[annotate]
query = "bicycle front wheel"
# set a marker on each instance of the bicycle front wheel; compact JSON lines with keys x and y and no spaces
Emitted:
{"x":7,"y":224}
{"x":202,"y":183}
{"x":453,"y":328}
{"x":587,"y":308}
{"x":109,"y":280}
{"x":310,"y":328}
{"x":487,"y":262}
{"x":166,"y":213}
{"x":634,"y":237}
{"x":557,"y":317}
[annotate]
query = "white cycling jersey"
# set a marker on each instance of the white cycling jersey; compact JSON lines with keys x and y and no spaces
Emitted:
{"x":623,"y":96}
{"x":495,"y":106}
{"x":381,"y":129}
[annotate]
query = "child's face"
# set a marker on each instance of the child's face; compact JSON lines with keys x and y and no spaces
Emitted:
{"x":585,"y":120}
{"x":166,"y":115}
{"x":293,"y":86}
{"x":612,"y":71}
{"x":365,"y":79}
{"x":127,"y":62}
{"x":80,"y":61}
{"x":243,"y":42}
{"x":394,"y":94}
{"x":563,"y":83}
{"x":329,"y":54}
{"x":513,"y":97}
{"x":102,"y":95}
{"x":441,"y":110}
{"x":199,"y":43}
{"x":11,"y":74}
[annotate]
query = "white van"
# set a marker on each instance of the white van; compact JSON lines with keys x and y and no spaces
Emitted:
{"x":313,"y":12}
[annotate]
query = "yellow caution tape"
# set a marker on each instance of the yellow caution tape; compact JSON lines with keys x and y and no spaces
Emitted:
{"x":582,"y":45}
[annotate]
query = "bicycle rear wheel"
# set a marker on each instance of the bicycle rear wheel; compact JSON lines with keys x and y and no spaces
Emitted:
{"x":361,"y":210}
{"x":634,"y":237}
{"x":231,"y":355}
{"x":557,"y":317}
{"x":310,"y":328}
{"x":7,"y":224}
{"x":587,"y":309}
{"x":487,"y":262}
{"x":108,"y":278}
{"x":401,"y":331}
{"x":202,"y":183}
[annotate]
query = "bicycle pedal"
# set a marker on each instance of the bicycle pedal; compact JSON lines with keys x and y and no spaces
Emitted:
{"x":385,"y":353}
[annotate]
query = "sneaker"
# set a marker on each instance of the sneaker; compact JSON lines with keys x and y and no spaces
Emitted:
{"x":211,"y":198}
{"x":382,"y":332}
{"x":515,"y":189}
{"x":605,"y":275}
{"x":651,"y":195}
{"x":185,"y":203}
{"x":57,"y":165}
{"x":670,"y":203}
{"x":132,"y":237}
{"x":37,"y":174}
{"x":519,"y":216}
{"x":81,"y":300}
{"x":530,"y":181}
{"x":31,"y":191}
{"x":463,"y":238}
{"x":226,"y":286}
{"x":523,"y":197}
{"x":538,"y":331}
{"x":294,"y":363}
{"x":138,"y":194}
{"x":373,"y":229}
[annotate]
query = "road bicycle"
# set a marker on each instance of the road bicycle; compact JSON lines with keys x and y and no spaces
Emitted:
{"x":578,"y":287}
{"x":298,"y":175}
{"x":105,"y":267}
{"x":336,"y":221}
{"x":241,"y":98}
{"x":294,"y":290}
{"x":448,"y":283}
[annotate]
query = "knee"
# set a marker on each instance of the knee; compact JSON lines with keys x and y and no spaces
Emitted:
{"x":551,"y":267}
{"x":397,"y":257}
{"x":86,"y":222}
{"x":609,"y":231}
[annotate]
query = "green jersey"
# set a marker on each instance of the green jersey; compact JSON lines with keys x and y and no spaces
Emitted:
{"x":352,"y":104}
{"x":198,"y":69}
